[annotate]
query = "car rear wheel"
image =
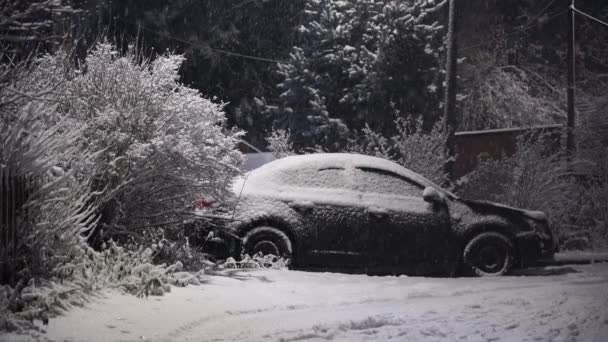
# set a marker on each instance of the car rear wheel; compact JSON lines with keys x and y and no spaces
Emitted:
{"x":488,"y":254}
{"x":267,"y":240}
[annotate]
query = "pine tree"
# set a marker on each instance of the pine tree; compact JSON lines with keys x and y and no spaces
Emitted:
{"x":358,"y":63}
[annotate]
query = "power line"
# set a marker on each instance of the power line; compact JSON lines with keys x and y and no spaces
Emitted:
{"x":529,"y":25}
{"x":202,"y":47}
{"x":541,"y":12}
{"x":589,"y":16}
{"x":513,"y":33}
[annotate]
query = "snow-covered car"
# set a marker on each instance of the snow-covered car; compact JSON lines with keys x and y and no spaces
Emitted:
{"x":362,"y":212}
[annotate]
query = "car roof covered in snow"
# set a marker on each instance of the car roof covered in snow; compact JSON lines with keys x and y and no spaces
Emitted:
{"x":266,"y":173}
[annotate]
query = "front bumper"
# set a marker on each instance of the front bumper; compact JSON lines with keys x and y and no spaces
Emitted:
{"x":535,"y":248}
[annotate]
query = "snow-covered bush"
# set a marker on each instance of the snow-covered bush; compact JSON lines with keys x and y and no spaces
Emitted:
{"x":596,"y":210}
{"x":190,"y":248}
{"x":115,"y":143}
{"x":279,"y":143}
{"x":55,"y":209}
{"x":511,"y":97}
{"x":572,"y":190}
{"x":39,"y":154}
{"x":536,"y":177}
{"x":592,"y":145}
{"x":412,"y":147}
{"x":158,"y":144}
{"x":258,"y":260}
{"x":81,"y":271}
{"x":423,"y":152}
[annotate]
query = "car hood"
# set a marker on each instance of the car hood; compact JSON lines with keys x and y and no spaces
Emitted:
{"x":532,"y":214}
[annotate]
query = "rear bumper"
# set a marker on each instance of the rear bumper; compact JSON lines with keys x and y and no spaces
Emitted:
{"x":212,"y":236}
{"x":535,"y":248}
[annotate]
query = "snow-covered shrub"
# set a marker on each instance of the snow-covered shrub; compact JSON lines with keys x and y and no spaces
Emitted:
{"x":119,"y":142}
{"x":57,"y":211}
{"x":158,"y":144}
{"x":175,"y":245}
{"x":536,"y":177}
{"x":81,"y":271}
{"x":371,"y":143}
{"x":572,"y":190}
{"x":258,"y":260}
{"x":596,"y":210}
{"x":38,"y":150}
{"x":130,"y":269}
{"x":412,"y":147}
{"x":279,"y":143}
{"x":591,"y":135}
{"x":511,"y":97}
{"x":423,"y":152}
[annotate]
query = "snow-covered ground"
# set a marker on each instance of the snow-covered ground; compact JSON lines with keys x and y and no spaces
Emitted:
{"x":565,"y":303}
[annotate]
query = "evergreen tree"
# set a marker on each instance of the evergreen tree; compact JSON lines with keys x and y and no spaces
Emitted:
{"x":229,"y":46}
{"x":361,"y":62}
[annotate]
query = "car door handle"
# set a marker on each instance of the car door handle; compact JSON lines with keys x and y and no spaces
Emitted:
{"x":377,"y":212}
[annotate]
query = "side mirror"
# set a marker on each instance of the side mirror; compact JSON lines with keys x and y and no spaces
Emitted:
{"x":432,"y":195}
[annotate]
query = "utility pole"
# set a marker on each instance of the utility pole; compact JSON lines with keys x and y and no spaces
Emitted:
{"x":451,"y":82}
{"x":570,"y":143}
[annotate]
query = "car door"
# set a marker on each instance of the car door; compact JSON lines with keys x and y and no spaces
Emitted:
{"x":405,"y":230}
{"x":334,"y":214}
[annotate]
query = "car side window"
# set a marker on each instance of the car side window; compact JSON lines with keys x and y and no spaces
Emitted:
{"x":328,"y":177}
{"x":384,"y":182}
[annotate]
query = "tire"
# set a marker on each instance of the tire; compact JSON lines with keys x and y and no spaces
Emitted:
{"x":267,"y":240}
{"x":488,"y":254}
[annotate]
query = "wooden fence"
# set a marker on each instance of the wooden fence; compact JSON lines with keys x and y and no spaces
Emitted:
{"x":15,"y":190}
{"x":498,"y":143}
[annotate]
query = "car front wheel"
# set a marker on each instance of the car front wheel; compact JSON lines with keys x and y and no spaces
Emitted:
{"x":267,"y":240}
{"x":488,"y":254}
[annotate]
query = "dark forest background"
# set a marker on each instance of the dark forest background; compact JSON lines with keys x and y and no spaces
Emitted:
{"x":351,"y":63}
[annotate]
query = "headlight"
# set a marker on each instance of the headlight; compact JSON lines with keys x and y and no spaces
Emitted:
{"x":537,"y":225}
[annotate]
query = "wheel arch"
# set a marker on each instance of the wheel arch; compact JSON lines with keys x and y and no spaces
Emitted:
{"x":474,"y":262}
{"x":270,"y":221}
{"x":490,"y":226}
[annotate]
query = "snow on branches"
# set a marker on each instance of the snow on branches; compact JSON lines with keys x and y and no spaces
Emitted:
{"x":159,"y":145}
{"x":354,"y":63}
{"x":114,"y":143}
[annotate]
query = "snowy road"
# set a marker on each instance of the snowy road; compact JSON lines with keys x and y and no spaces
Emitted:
{"x":566,"y":303}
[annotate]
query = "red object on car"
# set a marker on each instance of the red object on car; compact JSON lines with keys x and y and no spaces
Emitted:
{"x":204,"y":203}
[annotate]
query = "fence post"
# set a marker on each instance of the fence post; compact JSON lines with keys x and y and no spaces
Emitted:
{"x":13,"y":226}
{"x":3,"y":228}
{"x":13,"y":195}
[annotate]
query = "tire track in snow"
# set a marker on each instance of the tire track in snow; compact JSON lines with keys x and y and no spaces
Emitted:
{"x":437,"y":324}
{"x":553,"y":305}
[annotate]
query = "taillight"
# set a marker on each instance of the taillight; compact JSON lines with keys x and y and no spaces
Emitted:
{"x":204,"y":203}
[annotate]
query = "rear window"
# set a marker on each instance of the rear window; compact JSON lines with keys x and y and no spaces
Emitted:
{"x":385,"y":182}
{"x":329,"y":177}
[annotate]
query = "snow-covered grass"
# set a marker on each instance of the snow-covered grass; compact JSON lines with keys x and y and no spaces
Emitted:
{"x":566,"y":303}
